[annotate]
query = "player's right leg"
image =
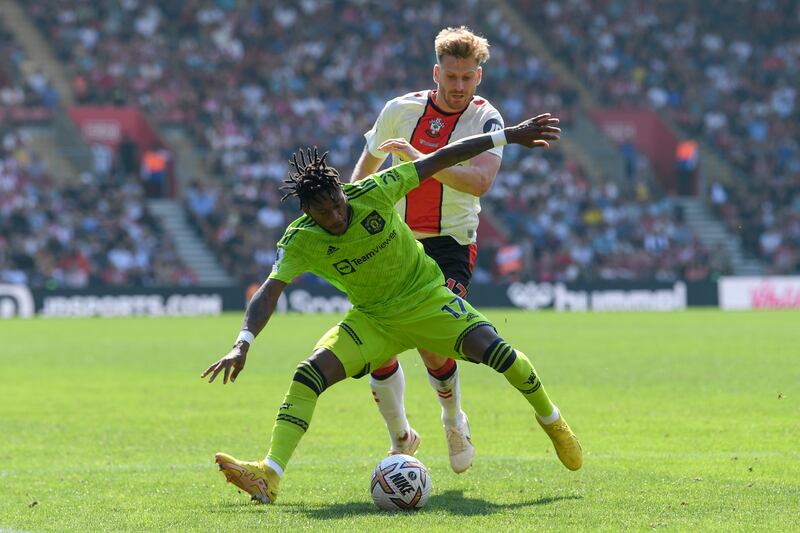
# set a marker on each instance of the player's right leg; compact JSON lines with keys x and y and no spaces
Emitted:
{"x":256,"y":478}
{"x":388,"y":384}
{"x":443,"y":377}
{"x":337,"y":355}
{"x":260,"y":479}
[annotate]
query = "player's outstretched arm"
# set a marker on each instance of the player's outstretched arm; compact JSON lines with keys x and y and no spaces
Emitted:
{"x":259,"y":310}
{"x":537,"y":131}
{"x":474,"y":179}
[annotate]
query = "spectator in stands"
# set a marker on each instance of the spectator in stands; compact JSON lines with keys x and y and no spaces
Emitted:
{"x":154,"y":170}
{"x":127,"y":156}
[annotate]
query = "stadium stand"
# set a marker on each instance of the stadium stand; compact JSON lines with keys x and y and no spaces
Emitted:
{"x":22,"y":85}
{"x":575,"y":230}
{"x":78,"y":234}
{"x":253,"y":83}
{"x":726,"y":71}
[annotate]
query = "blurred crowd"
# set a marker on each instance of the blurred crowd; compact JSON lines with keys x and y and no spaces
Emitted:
{"x":567,"y":228}
{"x":728,"y":71}
{"x":252,"y":83}
{"x":22,"y":83}
{"x":92,"y":232}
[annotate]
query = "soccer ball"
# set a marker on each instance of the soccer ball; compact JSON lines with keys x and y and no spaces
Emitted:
{"x":400,"y":482}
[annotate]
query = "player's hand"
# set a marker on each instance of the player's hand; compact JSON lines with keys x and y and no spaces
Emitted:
{"x":534,"y":132}
{"x":232,"y":364}
{"x":402,"y":148}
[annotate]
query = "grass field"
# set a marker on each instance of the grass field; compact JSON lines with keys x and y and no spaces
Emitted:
{"x":689,"y":421}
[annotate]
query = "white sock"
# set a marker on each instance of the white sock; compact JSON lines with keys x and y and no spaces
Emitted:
{"x":449,"y":393}
{"x":275,"y":466}
{"x":388,"y":395}
{"x":552,"y":418}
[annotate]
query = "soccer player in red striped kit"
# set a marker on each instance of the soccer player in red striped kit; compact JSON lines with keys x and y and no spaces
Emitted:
{"x":442,"y":212}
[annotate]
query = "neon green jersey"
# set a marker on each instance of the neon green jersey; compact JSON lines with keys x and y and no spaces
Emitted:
{"x":377,"y":262}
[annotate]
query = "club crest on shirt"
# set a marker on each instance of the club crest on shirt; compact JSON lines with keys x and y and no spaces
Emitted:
{"x":435,"y":127}
{"x":373,"y":223}
{"x":344,"y":267}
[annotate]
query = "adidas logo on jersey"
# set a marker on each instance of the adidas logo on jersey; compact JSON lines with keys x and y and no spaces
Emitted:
{"x":332,"y":249}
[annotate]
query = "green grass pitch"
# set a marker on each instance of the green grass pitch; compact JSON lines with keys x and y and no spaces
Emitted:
{"x":689,"y":421}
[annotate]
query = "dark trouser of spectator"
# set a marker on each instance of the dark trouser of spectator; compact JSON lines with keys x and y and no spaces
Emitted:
{"x":128,"y":156}
{"x":686,"y":181}
{"x":154,"y":184}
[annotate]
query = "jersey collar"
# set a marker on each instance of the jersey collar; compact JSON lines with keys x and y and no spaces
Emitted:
{"x":432,"y":100}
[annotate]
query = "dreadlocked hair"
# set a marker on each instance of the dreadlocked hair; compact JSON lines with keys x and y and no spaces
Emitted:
{"x":312,"y":178}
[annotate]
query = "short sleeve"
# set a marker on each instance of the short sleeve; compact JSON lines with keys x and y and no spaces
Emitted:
{"x":382,"y":130}
{"x":493,"y":122}
{"x":396,"y":182}
{"x":289,"y":261}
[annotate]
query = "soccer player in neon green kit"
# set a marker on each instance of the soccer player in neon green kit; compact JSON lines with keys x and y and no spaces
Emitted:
{"x":352,"y":236}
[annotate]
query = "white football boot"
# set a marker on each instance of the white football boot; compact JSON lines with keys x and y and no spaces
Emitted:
{"x":459,"y":444}
{"x":408,"y":444}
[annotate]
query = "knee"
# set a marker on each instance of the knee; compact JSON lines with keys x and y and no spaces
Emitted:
{"x":499,"y":355}
{"x":326,"y":366}
{"x":386,"y":371}
{"x":432,"y":361}
{"x":309,"y":374}
{"x":478,"y":342}
{"x":388,"y":366}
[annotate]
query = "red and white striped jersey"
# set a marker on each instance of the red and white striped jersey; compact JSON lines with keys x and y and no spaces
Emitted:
{"x":434,"y":209}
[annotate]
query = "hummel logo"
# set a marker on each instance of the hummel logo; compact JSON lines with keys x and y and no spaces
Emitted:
{"x":332,"y":249}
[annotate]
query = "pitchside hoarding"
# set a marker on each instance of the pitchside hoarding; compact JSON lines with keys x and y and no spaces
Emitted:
{"x":611,"y":296}
{"x":776,"y":292}
{"x":16,"y":301}
{"x":20,"y":301}
{"x":606,"y":297}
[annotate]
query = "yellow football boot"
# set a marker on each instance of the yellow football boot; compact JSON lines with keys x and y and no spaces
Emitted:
{"x":567,"y":447}
{"x":254,"y":477}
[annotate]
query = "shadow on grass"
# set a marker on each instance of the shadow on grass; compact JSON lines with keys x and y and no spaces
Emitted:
{"x":451,"y":502}
{"x":454,"y":502}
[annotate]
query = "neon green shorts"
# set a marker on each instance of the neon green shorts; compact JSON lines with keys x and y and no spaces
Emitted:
{"x":439,"y":324}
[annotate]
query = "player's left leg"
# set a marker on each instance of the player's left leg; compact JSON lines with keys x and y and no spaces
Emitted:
{"x":483,"y":345}
{"x":448,"y":324}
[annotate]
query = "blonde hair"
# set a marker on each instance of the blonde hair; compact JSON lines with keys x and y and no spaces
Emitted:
{"x":461,"y":43}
